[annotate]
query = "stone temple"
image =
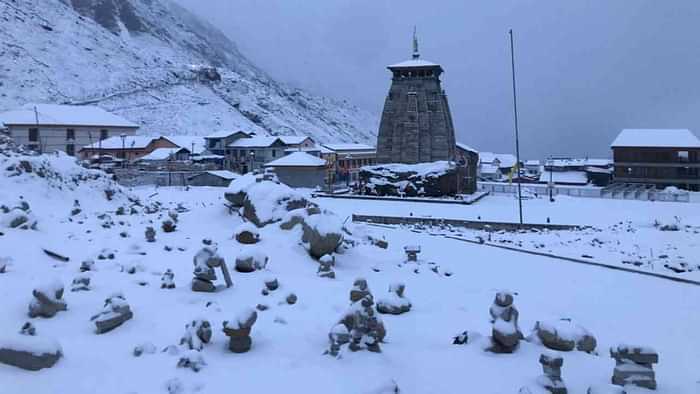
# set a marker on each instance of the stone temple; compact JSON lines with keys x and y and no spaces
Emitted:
{"x":416,"y":124}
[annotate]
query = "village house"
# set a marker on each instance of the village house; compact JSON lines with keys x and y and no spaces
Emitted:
{"x":251,"y":153}
{"x":576,"y":172}
{"x":300,"y":169}
{"x":218,"y":178}
{"x":347,"y":159}
{"x":659,"y":157}
{"x":127,"y":148}
{"x":66,"y":128}
{"x":217,"y":143}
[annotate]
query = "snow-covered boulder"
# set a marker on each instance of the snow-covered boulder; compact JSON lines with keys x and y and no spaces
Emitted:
{"x":29,"y":352}
{"x":246,"y":233}
{"x":48,"y":300}
{"x":423,"y":179}
{"x":264,"y":201}
{"x":250,"y":260}
{"x":564,"y":335}
{"x":322,"y":233}
{"x":197,"y":334}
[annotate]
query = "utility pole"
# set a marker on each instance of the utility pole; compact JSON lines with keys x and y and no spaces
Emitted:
{"x":517,"y":141}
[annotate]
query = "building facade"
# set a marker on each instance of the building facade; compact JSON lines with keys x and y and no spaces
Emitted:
{"x":128,"y":148}
{"x":659,"y":157}
{"x":67,"y":128}
{"x":346,"y":160}
{"x":416,"y":124}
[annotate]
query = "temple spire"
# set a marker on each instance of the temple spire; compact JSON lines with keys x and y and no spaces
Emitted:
{"x":416,"y":54}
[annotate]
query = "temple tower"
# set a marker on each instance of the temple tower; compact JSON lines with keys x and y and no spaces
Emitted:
{"x":416,"y":125}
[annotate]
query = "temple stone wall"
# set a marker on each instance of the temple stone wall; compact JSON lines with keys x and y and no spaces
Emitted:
{"x":416,"y":124}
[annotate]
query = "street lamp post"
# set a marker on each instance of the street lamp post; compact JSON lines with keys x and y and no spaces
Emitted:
{"x":517,"y":140}
{"x":551,"y":181}
{"x":123,"y":137}
{"x":252,"y":160}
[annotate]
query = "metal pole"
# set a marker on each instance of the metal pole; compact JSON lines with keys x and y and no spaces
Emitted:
{"x":515,"y":111}
{"x":551,"y":182}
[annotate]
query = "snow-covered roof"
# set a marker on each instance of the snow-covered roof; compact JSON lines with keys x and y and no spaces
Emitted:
{"x":186,"y":141}
{"x":223,"y":174}
{"x":161,"y":154}
{"x":656,"y":138}
{"x":488,"y":169}
{"x":413,"y":63}
{"x":64,"y":115}
{"x":506,"y":160}
{"x":293,"y":139}
{"x":349,"y":147}
{"x":225,"y":133}
{"x":315,"y":148}
{"x":254,"y":142}
{"x":532,"y":162}
{"x":115,"y":142}
{"x":568,"y":162}
{"x":297,"y":159}
{"x":568,"y":177}
{"x":466,"y":147}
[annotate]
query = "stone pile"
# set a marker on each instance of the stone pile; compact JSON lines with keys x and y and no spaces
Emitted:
{"x":551,"y":379}
{"x":606,"y":389}
{"x":48,"y":300}
{"x":204,"y":263}
{"x":395,"y":303}
{"x":80,"y":283}
{"x":76,"y":208}
{"x":325,"y":267}
{"x":28,"y":329}
{"x":564,"y":335}
{"x":634,"y":366}
{"x":150,"y":234}
{"x":168,"y":226}
{"x":167,"y":281}
{"x":505,"y":333}
{"x":114,"y":313}
{"x":197,"y":334}
{"x":359,"y":290}
{"x":238,"y":331}
{"x":193,"y":360}
{"x":87,"y":265}
{"x":411,"y":252}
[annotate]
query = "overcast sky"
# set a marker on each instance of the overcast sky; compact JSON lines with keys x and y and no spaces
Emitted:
{"x":585,"y":69}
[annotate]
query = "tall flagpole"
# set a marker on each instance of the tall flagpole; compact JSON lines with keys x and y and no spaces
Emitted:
{"x":517,"y":141}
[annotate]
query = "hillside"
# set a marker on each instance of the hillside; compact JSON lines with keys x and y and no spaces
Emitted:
{"x":158,"y":65}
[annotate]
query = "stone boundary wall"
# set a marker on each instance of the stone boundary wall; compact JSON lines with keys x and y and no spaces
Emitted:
{"x":132,"y":178}
{"x":467,"y":198}
{"x":470,"y":224}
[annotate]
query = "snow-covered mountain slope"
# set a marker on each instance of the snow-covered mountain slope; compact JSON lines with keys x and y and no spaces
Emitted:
{"x":147,"y":60}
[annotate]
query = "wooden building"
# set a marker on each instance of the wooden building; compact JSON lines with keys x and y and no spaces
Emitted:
{"x":127,"y":148}
{"x":662,"y":157}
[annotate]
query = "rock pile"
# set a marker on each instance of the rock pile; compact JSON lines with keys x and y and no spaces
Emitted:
{"x":204,"y":263}
{"x":359,"y":290}
{"x":114,"y":313}
{"x":193,"y":360}
{"x":551,"y":379}
{"x":606,"y":389}
{"x":238,"y":331}
{"x":634,"y":366}
{"x":365,"y":328}
{"x":505,"y":333}
{"x":80,"y":283}
{"x":395,"y":303}
{"x":246,"y":233}
{"x":564,"y":335}
{"x":19,"y":217}
{"x":251,"y":260}
{"x":87,"y":265}
{"x":197,"y":334}
{"x":167,"y":281}
{"x":168,"y":226}
{"x":150,"y":234}
{"x":411,"y":252}
{"x":48,"y":300}
{"x":325,"y":267}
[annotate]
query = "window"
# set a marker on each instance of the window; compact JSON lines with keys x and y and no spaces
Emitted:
{"x":70,"y":134}
{"x":34,"y":135}
{"x":683,"y":156}
{"x":274,"y":153}
{"x":70,"y":149}
{"x":104,"y":134}
{"x":212,"y":143}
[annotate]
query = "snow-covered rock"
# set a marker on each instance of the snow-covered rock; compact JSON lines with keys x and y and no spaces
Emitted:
{"x":29,"y":352}
{"x":564,"y":335}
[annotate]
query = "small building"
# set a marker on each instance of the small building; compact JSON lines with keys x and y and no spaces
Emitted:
{"x":533,"y":167}
{"x":348,"y":159}
{"x":249,"y":154}
{"x":505,"y":162}
{"x":468,"y":161}
{"x":128,"y":148}
{"x":167,"y":154}
{"x":660,"y":157}
{"x":217,"y":143}
{"x":220,"y":178}
{"x":300,"y":169}
{"x":66,"y":128}
{"x":568,"y":178}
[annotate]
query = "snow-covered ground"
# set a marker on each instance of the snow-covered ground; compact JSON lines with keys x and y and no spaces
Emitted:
{"x":289,"y":340}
